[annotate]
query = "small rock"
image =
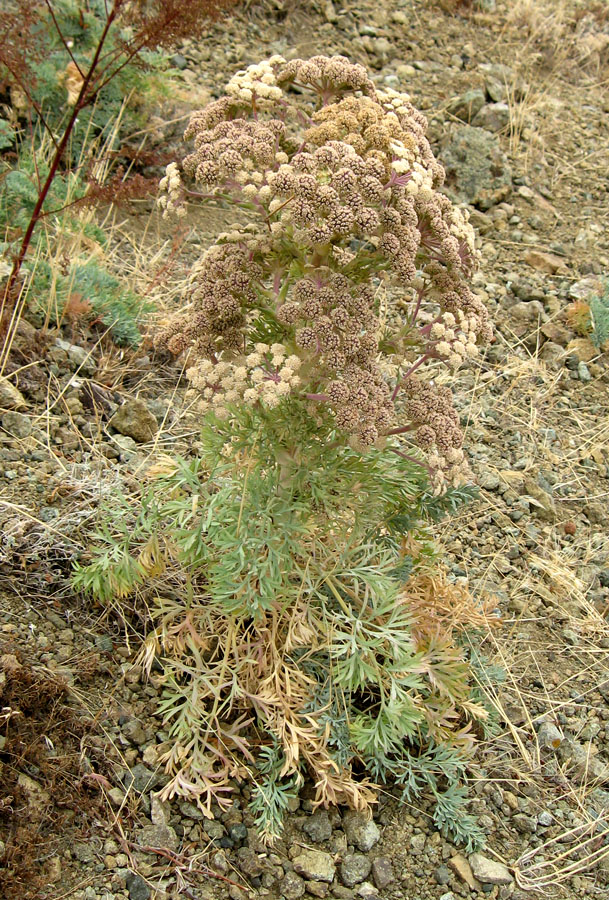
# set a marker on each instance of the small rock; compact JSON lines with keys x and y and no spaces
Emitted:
{"x":292,"y":886}
{"x":524,"y":824}
{"x":463,"y":869}
{"x":318,"y":826}
{"x":367,"y":891}
{"x":78,"y":357}
{"x":134,"y":732}
{"x":10,"y":396}
{"x":316,"y":888}
{"x":382,"y":872}
{"x":140,"y":779}
{"x":442,"y":875}
{"x":467,"y":105}
{"x":134,"y":420}
{"x":361,"y":831}
{"x":315,"y":865}
{"x":582,"y":370}
{"x":545,"y":819}
{"x":238,"y":832}
{"x":417,"y":843}
{"x":17,"y":424}
{"x":493,"y":117}
{"x":137,"y":887}
{"x":488,"y":870}
{"x":158,"y":836}
{"x":549,"y":736}
{"x":354,"y":869}
{"x":545,"y":262}
{"x":249,"y":862}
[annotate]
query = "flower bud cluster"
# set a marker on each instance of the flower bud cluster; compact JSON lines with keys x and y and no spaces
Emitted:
{"x":171,"y":199}
{"x":346,"y":195}
{"x":266,"y":375}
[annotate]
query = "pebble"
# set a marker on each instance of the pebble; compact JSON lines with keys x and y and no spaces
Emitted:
{"x":315,"y":865}
{"x":318,"y":826}
{"x":489,"y":871}
{"x":361,"y":831}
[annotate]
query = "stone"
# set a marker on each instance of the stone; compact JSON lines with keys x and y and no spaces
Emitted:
{"x":463,"y":869}
{"x":158,"y":836}
{"x":137,"y":887}
{"x":493,"y":117}
{"x":315,"y":865}
{"x":417,"y":843}
{"x":17,"y":424}
{"x":549,"y":736}
{"x":133,"y":419}
{"x":477,"y":170}
{"x":367,"y":891}
{"x":354,"y":869}
{"x":557,"y":333}
{"x":10,"y":396}
{"x":318,"y":826}
{"x":38,"y":799}
{"x":382,"y":872}
{"x":467,"y":105}
{"x":292,"y":886}
{"x":442,"y":875}
{"x":489,"y":871}
{"x":524,"y":824}
{"x":545,"y":819}
{"x":316,"y":888}
{"x":582,"y":370}
{"x":360,"y":830}
{"x":134,"y":732}
{"x":78,"y":358}
{"x":140,"y":778}
{"x":544,"y":262}
{"x":543,"y":503}
{"x":249,"y":862}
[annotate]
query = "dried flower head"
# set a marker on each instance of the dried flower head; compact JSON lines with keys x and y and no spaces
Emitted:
{"x":347,"y":197}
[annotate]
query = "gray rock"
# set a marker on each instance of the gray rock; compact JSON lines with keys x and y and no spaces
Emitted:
{"x":354,"y":869}
{"x":493,"y":117}
{"x":83,"y":853}
{"x":545,"y":819}
{"x":134,"y":732}
{"x":140,"y":778}
{"x":584,"y":764}
{"x":318,"y":826}
{"x":191,"y":811}
{"x":524,"y":824}
{"x":315,"y":865}
{"x":477,"y":170}
{"x":489,"y":871}
{"x":77,"y":357}
{"x":10,"y":396}
{"x":467,"y":105}
{"x":137,"y":887}
{"x":442,"y":875}
{"x":249,"y":862}
{"x":549,"y":736}
{"x":134,"y":420}
{"x":382,"y":872}
{"x":158,"y":836}
{"x":582,"y":370}
{"x":367,"y":891}
{"x":292,"y":886}
{"x":361,"y":831}
{"x":17,"y":424}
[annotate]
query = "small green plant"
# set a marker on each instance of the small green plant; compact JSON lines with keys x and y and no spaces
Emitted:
{"x":301,"y":618}
{"x":589,"y":317}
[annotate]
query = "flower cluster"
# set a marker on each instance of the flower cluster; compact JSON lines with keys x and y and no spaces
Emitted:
{"x":347,"y":199}
{"x":266,"y":376}
{"x":172,"y":198}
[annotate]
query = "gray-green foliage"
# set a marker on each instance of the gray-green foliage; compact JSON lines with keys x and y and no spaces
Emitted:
{"x":274,"y":565}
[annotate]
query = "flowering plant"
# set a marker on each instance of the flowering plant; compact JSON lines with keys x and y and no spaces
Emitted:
{"x":302,"y":619}
{"x":342,"y":192}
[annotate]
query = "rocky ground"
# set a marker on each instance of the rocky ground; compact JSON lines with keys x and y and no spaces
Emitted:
{"x":517,"y":110}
